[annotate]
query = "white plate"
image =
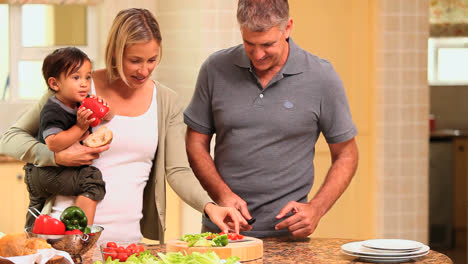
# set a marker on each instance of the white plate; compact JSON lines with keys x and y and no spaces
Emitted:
{"x":392,"y":244}
{"x":383,"y":259}
{"x":357,"y":248}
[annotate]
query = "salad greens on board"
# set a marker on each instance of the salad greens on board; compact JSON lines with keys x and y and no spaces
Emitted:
{"x":174,"y":258}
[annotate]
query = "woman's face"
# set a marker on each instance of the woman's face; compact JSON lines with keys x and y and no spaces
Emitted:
{"x":139,"y":61}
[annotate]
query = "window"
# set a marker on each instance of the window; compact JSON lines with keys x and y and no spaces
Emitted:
{"x":448,"y":61}
{"x":37,"y":30}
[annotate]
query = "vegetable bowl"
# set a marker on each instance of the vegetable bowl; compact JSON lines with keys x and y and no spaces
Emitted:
{"x":120,"y":251}
{"x":75,"y":244}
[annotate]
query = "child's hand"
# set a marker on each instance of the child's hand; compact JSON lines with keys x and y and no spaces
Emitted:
{"x":110,"y":114}
{"x":82,"y":116}
{"x":100,"y":99}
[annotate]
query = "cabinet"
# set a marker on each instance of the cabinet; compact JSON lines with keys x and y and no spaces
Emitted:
{"x":441,"y":184}
{"x":14,"y":196}
{"x":460,"y":191}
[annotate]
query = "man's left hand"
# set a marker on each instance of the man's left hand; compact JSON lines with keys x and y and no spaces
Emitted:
{"x":302,"y":223}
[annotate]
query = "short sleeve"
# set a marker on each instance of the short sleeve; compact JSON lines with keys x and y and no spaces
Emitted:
{"x":335,"y":120}
{"x":198,"y":114}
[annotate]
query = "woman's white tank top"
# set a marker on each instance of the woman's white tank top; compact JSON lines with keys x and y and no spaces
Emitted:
{"x":125,"y":168}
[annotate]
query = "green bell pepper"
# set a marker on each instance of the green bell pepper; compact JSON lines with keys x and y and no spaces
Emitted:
{"x":74,"y":218}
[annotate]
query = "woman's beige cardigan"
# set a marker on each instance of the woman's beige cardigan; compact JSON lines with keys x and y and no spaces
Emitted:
{"x":169,"y":163}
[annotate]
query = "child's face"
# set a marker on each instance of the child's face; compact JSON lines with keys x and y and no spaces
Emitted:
{"x":75,"y":87}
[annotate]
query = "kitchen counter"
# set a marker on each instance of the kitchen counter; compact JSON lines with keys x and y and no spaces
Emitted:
{"x":288,"y":250}
{"x":448,"y":133}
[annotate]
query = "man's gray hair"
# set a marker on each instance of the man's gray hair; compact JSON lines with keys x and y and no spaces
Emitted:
{"x":262,"y":15}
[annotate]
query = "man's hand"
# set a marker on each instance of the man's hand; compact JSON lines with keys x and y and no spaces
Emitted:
{"x":303,"y":222}
{"x":227,"y":218}
{"x":306,"y":216}
{"x":78,"y":155}
{"x":233,"y":200}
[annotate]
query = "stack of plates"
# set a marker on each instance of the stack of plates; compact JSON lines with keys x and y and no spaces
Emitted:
{"x":385,"y":250}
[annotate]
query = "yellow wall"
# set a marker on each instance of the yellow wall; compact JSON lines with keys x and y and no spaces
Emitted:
{"x":70,"y":25}
{"x":342,"y":32}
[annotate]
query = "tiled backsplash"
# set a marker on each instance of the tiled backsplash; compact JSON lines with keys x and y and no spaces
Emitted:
{"x":402,"y":113}
{"x":192,"y":30}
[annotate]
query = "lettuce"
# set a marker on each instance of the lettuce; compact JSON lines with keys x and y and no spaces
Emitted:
{"x":174,"y":258}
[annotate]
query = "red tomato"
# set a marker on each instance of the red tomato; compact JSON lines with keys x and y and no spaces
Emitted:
{"x":121,"y":249}
{"x":110,"y":252}
{"x":132,"y":251}
{"x":239,"y":236}
{"x":131,"y":246}
{"x":140,"y":248}
{"x":122,"y":256}
{"x":111,"y":245}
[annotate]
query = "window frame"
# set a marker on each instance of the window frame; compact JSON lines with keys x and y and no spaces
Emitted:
{"x":434,"y":44}
{"x":18,"y":52}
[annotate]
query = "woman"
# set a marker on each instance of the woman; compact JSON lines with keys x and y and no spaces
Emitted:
{"x":148,"y":145}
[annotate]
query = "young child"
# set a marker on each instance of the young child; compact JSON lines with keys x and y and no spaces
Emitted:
{"x":67,"y":72}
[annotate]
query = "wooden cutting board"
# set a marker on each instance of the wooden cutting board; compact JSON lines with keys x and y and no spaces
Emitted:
{"x":249,"y":248}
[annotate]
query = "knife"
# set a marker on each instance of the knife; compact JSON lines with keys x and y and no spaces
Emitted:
{"x":251,"y":221}
{"x":240,"y":240}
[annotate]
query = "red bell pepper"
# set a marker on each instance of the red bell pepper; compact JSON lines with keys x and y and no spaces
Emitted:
{"x":48,"y":225}
{"x":98,"y":108}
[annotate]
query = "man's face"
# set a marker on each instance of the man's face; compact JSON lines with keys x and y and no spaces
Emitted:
{"x":267,"y":50}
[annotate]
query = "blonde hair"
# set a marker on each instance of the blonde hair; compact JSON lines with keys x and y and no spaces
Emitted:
{"x":130,"y":26}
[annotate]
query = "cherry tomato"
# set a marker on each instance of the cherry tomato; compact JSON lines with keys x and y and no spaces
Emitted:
{"x":111,"y":245}
{"x":121,"y":249}
{"x":110,"y":252}
{"x":132,"y":251}
{"x":131,"y":246}
{"x":140,"y":248}
{"x":122,"y":256}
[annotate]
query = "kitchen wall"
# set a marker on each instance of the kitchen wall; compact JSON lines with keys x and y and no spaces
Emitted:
{"x":342,"y":32}
{"x":192,"y":30}
{"x":379,"y":50}
{"x":378,"y":47}
{"x":448,"y":104}
{"x":402,"y":108}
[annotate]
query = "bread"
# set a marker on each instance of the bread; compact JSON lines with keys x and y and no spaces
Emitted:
{"x":18,"y":244}
{"x":100,"y":137}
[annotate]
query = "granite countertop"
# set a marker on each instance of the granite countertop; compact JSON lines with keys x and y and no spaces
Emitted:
{"x":288,"y":250}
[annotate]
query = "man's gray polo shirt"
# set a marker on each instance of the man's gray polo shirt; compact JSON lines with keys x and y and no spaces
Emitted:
{"x":265,"y":138}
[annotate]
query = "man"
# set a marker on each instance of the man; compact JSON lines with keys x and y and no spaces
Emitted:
{"x":267,"y":101}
